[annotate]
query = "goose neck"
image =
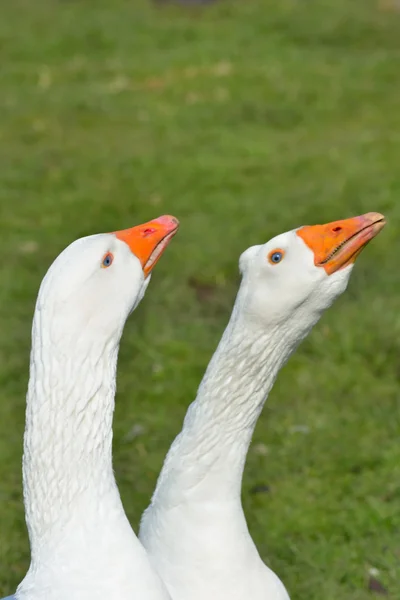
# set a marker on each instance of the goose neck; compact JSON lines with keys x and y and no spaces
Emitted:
{"x":207,"y":458}
{"x":67,"y":463}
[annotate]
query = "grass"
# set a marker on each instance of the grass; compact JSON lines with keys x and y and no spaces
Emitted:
{"x":244,"y":119}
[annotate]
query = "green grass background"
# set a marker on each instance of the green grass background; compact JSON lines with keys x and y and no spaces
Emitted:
{"x":244,"y":119}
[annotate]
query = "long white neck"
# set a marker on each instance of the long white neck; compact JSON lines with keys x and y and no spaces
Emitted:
{"x":82,"y":545}
{"x":67,"y":465}
{"x":206,"y":460}
{"x":195,"y":522}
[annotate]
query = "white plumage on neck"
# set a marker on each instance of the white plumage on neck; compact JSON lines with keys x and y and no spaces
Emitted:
{"x":197,"y":501}
{"x":68,"y":436}
{"x":211,"y":449}
{"x":82,"y":545}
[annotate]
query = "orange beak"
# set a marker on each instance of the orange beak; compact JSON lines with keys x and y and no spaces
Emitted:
{"x":337,"y":245}
{"x":148,"y":241}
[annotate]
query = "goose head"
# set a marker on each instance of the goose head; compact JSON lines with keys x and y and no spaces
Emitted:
{"x":297,"y":275}
{"x":97,"y":281}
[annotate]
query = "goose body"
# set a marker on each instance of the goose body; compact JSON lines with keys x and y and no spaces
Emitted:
{"x":195,"y":530}
{"x":82,"y":545}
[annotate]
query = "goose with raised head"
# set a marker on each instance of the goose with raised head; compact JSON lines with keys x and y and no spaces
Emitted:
{"x":82,"y":545}
{"x":195,"y":530}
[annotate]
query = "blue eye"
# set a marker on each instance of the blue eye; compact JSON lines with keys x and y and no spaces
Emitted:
{"x":107,"y":260}
{"x":276,"y":256}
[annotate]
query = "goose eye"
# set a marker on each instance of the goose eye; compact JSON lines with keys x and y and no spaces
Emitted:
{"x":276,"y":256}
{"x":107,"y":260}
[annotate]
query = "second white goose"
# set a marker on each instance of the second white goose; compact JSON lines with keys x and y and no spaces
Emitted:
{"x":195,"y":530}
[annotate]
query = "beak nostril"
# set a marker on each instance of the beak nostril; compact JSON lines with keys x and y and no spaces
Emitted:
{"x":148,"y":231}
{"x":338,"y":228}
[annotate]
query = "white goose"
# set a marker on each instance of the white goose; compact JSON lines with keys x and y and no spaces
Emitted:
{"x":82,"y":545}
{"x":194,"y":529}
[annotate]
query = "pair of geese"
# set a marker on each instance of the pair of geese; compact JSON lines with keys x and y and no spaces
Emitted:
{"x":194,"y":541}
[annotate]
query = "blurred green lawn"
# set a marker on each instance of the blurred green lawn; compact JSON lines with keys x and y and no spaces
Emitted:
{"x":244,"y":119}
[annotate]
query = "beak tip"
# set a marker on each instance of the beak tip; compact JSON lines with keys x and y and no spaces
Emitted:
{"x":375,"y":216}
{"x":167,"y":220}
{"x":377,"y":221}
